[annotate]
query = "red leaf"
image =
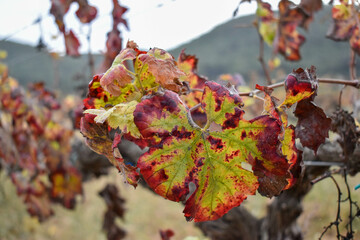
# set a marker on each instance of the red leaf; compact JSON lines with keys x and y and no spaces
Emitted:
{"x":289,"y":39}
{"x":34,"y":194}
{"x":59,"y":8}
{"x":209,"y":158}
{"x":98,"y":139}
{"x":345,"y":25}
{"x":117,"y":13}
{"x":166,"y":234}
{"x":72,"y":44}
{"x":313,"y":124}
{"x":66,"y":185}
{"x":86,"y":13}
{"x":300,"y":84}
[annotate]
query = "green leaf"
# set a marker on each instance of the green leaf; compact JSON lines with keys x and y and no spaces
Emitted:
{"x":214,"y":159}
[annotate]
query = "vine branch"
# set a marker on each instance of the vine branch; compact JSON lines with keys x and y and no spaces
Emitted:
{"x":353,"y":83}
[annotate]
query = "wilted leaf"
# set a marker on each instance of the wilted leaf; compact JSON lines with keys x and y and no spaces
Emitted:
{"x":166,"y":234}
{"x":163,"y":67}
{"x":66,"y":185}
{"x":287,"y":137}
{"x":99,"y":98}
{"x":300,"y":84}
{"x":115,"y":208}
{"x":289,"y":39}
{"x":311,"y":6}
{"x":268,"y":23}
{"x":345,"y":25}
{"x":117,"y":14}
{"x":34,"y":193}
{"x":98,"y":139}
{"x":72,"y":44}
{"x":214,"y":161}
{"x":86,"y":13}
{"x":313,"y":125}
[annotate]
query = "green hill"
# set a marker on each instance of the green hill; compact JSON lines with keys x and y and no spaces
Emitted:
{"x":27,"y":64}
{"x":230,"y":49}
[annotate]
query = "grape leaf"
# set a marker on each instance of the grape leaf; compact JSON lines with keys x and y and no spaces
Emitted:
{"x":99,"y":98}
{"x":311,"y":6}
{"x":287,"y":137}
{"x":268,"y":23}
{"x":115,"y":208}
{"x":355,"y":40}
{"x":98,"y":139}
{"x":166,"y":234}
{"x":289,"y":39}
{"x":86,"y":13}
{"x":188,"y":64}
{"x":66,"y":184}
{"x":72,"y":44}
{"x":300,"y":84}
{"x":163,"y":67}
{"x":34,"y":193}
{"x":345,"y":25}
{"x":117,"y":14}
{"x":214,"y":161}
{"x":313,"y":125}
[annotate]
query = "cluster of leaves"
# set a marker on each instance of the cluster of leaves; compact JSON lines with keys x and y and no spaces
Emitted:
{"x":280,"y":31}
{"x":202,"y":151}
{"x":346,"y":24}
{"x":86,"y":14}
{"x":35,"y":148}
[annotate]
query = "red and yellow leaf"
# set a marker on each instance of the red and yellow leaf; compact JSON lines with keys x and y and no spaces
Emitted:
{"x":213,"y":162}
{"x":66,"y":184}
{"x":299,"y":85}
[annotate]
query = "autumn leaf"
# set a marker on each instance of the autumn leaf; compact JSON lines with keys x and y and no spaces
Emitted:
{"x":163,"y":67}
{"x":313,"y":125}
{"x":66,"y":185}
{"x":166,"y":234}
{"x":345,"y":25}
{"x":117,"y":13}
{"x":300,"y":84}
{"x":289,"y":40}
{"x":188,"y":64}
{"x":59,"y":8}
{"x":287,"y":136}
{"x":86,"y":13}
{"x":34,"y":193}
{"x":214,"y":162}
{"x":98,"y":139}
{"x":98,"y":97}
{"x":72,"y":44}
{"x":311,"y":6}
{"x":268,"y":23}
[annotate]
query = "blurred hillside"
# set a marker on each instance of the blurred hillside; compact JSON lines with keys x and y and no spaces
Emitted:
{"x":28,"y":64}
{"x":226,"y":49}
{"x":230,"y":48}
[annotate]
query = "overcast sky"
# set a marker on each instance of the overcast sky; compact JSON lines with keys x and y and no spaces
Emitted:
{"x":153,"y":23}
